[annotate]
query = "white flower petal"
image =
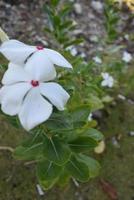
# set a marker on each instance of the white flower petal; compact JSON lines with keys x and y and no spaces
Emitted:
{"x":56,"y":58}
{"x":97,"y":60}
{"x":11,"y":97}
{"x":35,"y":110}
{"x":105,"y":75}
{"x":15,"y":74}
{"x":55,"y":93}
{"x":127,"y":57}
{"x":104,"y":83}
{"x":40,"y":67}
{"x":110,"y":82}
{"x":15,"y":51}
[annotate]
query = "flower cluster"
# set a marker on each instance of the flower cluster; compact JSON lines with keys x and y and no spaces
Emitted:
{"x":28,"y":89}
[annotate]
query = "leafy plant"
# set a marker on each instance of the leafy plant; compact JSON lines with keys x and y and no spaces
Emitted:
{"x":111,"y":20}
{"x":60,"y":147}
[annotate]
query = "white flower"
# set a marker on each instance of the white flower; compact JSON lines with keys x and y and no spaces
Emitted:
{"x":90,"y":117}
{"x":24,"y":88}
{"x":97,"y":60}
{"x":127,"y":57}
{"x":18,"y":53}
{"x":72,"y":50}
{"x":107,"y":80}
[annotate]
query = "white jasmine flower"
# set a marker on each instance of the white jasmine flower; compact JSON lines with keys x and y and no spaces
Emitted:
{"x":97,"y":60}
{"x":107,"y":80}
{"x":127,"y":57}
{"x":90,"y":117}
{"x":24,"y":89}
{"x":18,"y":53}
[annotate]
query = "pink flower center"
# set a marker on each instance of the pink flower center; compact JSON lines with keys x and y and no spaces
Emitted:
{"x":34,"y":83}
{"x":40,"y":47}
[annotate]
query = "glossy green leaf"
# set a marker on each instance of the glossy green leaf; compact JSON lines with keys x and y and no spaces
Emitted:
{"x":58,"y":121}
{"x":48,"y":173}
{"x":93,"y":165}
{"x":78,"y":169}
{"x":64,"y":177}
{"x":31,"y":148}
{"x":94,"y":134}
{"x":31,"y":153}
{"x":56,"y":150}
{"x":82,"y":144}
{"x":80,"y":113}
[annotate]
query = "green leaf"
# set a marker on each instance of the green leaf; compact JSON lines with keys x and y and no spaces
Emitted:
{"x":31,"y":148}
{"x":93,"y":165}
{"x":78,"y":169}
{"x":58,"y":121}
{"x":82,"y":144}
{"x":31,"y":153}
{"x":65,"y":11}
{"x":80,"y":113}
{"x":94,"y":134}
{"x":56,"y":150}
{"x":95,"y":102}
{"x":48,"y":173}
{"x":74,"y":42}
{"x":54,"y":2}
{"x":64,"y":178}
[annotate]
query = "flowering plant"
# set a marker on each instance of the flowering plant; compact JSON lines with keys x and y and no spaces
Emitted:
{"x":57,"y":142}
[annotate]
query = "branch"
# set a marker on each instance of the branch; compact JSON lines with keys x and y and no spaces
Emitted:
{"x":6,"y":148}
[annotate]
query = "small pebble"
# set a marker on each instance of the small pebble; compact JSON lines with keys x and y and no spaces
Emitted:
{"x":115,"y":142}
{"x":97,"y":6}
{"x":78,"y":8}
{"x":131,"y":133}
{"x":75,"y":182}
{"x":39,"y":189}
{"x":93,"y":38}
{"x":120,"y":96}
{"x":130,"y":101}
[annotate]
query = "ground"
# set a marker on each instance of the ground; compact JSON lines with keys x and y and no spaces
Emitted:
{"x":17,"y":179}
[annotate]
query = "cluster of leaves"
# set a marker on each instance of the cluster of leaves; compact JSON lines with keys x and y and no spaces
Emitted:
{"x":61,"y":147}
{"x":111,"y":20}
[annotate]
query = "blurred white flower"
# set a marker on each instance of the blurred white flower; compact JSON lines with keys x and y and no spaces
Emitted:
{"x":107,"y":80}
{"x":97,"y":60}
{"x":72,"y":50}
{"x":18,"y":53}
{"x":90,"y":117}
{"x":127,"y":57}
{"x":24,"y":88}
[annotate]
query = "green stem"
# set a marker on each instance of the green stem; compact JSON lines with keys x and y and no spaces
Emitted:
{"x":3,"y":36}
